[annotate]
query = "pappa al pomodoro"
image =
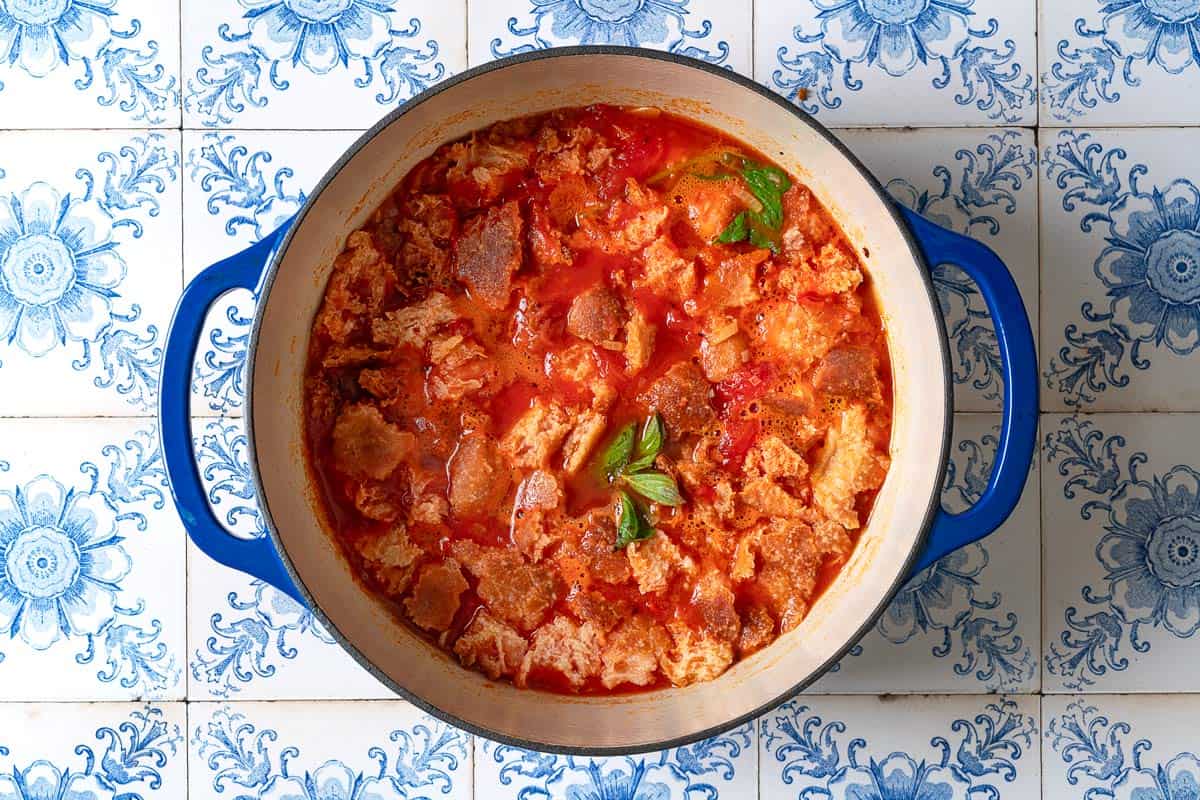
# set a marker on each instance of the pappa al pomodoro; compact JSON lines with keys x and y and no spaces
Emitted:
{"x":598,"y":400}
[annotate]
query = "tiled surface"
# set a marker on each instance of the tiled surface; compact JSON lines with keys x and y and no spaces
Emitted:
{"x":1141,"y":746}
{"x":1122,"y":495}
{"x":286,"y":750}
{"x":1121,"y":323}
{"x":260,"y":63}
{"x":972,"y":62}
{"x":1118,"y":63}
{"x":903,"y":747}
{"x":1090,"y":593}
{"x":82,"y":337}
{"x":722,"y":766}
{"x":93,"y":750}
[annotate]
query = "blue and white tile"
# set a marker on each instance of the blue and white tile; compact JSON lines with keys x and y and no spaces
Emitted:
{"x":239,"y":187}
{"x":1135,"y":62}
{"x":901,"y":62}
{"x":98,"y":751}
{"x":247,"y":639}
{"x":886,"y":748}
{"x":315,"y":64}
{"x":723,"y":766}
{"x":89,"y":64}
{"x":339,"y":751}
{"x":716,"y":31}
{"x":982,"y":184}
{"x":92,"y":596}
{"x":1141,"y":747}
{"x":1121,"y":494}
{"x":972,"y":621}
{"x":1121,"y":283}
{"x":90,"y":256}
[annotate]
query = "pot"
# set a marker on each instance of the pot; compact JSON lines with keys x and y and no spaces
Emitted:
{"x":906,"y":532}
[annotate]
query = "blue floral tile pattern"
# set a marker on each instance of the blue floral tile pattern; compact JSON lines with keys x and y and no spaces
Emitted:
{"x":90,"y":564}
{"x":1121,"y":62}
{"x":89,"y":269}
{"x":1140,"y":747}
{"x":921,"y":748}
{"x":715,"y":32}
{"x":970,"y":622}
{"x":283,"y":751}
{"x":1132,"y":609}
{"x":91,"y":561}
{"x":723,"y":766}
{"x":1127,"y":207}
{"x":259,"y":63}
{"x":856,"y":62}
{"x":89,"y":63}
{"x":91,"y":752}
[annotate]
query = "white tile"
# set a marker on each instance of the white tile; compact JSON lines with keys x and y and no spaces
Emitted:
{"x":1121,"y":746}
{"x":982,"y":184}
{"x":384,"y":749}
{"x":972,"y":621}
{"x":882,"y":747}
{"x":107,"y":65}
{"x":1121,"y":281}
{"x":247,"y":639}
{"x":723,"y":766}
{"x":262,"y":64}
{"x":716,"y":31}
{"x":93,"y":563}
{"x":86,"y":296}
{"x":239,"y":187}
{"x":93,"y":750}
{"x":961,"y":62}
{"x":1121,"y":564}
{"x":1131,"y":64}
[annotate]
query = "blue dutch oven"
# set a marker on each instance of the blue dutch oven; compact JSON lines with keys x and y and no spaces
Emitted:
{"x":907,"y":530}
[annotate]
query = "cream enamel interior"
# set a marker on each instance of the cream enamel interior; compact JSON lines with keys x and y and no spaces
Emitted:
{"x":640,"y":720}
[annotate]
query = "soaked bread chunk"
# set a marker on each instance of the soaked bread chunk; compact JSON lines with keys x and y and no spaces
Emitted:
{"x":488,"y":254}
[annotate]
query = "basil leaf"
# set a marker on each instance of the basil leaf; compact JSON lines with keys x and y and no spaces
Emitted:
{"x":735,"y":231}
{"x":616,"y":456}
{"x":655,"y":486}
{"x":768,"y":185}
{"x":649,"y":443}
{"x":651,"y":439}
{"x":639,"y":464}
{"x":760,"y":227}
{"x":630,"y":526}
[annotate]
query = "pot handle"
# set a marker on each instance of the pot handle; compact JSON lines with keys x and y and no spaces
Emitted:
{"x":255,"y":557}
{"x":1018,"y":357}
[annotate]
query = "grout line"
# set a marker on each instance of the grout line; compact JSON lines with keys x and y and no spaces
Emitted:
{"x":753,"y":39}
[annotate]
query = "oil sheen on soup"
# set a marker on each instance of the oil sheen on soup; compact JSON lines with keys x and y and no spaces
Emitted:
{"x":598,"y":400}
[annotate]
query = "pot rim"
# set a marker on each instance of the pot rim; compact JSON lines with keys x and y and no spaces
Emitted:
{"x":268,"y":279}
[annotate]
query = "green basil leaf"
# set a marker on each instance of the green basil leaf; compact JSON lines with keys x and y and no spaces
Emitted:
{"x":652,"y":436}
{"x":735,"y":231}
{"x":656,"y":487}
{"x":768,"y":185}
{"x":639,"y":464}
{"x":630,"y":526}
{"x":616,"y":456}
